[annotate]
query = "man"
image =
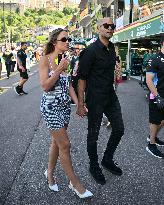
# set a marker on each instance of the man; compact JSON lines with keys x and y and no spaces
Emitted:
{"x":96,"y":76}
{"x":78,"y":47}
{"x":155,"y":83}
{"x":14,"y":59}
{"x":21,"y":66}
{"x":8,"y":62}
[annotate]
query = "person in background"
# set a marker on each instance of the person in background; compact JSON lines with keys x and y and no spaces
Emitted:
{"x":8,"y":62}
{"x":14,"y":59}
{"x":78,"y":47}
{"x":21,"y":66}
{"x":28,"y":60}
{"x":71,"y":54}
{"x":155,"y":83}
{"x":118,"y":72}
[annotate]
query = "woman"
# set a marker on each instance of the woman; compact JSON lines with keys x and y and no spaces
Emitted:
{"x":55,"y":109}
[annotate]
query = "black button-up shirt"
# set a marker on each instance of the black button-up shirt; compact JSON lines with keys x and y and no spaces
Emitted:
{"x":96,"y":66}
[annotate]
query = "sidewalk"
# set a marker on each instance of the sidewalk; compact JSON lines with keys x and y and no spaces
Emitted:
{"x":135,"y":77}
{"x":140,"y":184}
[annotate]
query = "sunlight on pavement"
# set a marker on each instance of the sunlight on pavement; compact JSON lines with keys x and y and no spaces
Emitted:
{"x":3,"y":89}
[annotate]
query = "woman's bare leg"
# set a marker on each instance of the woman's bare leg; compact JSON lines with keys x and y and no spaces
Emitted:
{"x":62,"y":141}
{"x":53,"y":156}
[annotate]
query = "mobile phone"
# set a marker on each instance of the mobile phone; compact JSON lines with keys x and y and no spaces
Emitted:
{"x":60,"y":57}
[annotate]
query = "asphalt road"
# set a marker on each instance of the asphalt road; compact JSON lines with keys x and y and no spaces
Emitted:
{"x":24,"y":143}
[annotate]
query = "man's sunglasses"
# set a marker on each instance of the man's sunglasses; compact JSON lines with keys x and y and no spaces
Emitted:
{"x":65,"y":39}
{"x":109,"y":26}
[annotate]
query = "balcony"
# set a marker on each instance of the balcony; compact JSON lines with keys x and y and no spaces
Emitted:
{"x":105,"y":3}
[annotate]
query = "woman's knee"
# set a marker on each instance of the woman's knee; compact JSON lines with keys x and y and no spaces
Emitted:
{"x":53,"y":142}
{"x":65,"y":146}
{"x":61,"y":139}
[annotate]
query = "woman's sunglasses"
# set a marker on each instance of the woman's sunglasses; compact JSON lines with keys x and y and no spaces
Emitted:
{"x":65,"y":39}
{"x":109,"y":26}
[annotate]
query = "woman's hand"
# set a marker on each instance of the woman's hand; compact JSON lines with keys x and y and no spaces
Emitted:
{"x":63,"y":65}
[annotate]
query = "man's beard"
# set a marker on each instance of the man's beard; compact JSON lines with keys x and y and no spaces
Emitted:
{"x":108,"y":36}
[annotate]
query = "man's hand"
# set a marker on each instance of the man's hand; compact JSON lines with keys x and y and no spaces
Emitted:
{"x":159,"y":101}
{"x":81,"y":110}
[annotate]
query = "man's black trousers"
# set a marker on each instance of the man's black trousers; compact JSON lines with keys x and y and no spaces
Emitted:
{"x":8,"y":68}
{"x":110,"y":106}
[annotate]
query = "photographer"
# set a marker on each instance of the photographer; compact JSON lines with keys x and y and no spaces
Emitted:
{"x":155,"y":83}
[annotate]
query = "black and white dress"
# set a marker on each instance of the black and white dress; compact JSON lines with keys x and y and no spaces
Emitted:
{"x":55,"y":104}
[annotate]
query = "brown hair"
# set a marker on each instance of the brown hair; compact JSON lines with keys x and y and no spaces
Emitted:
{"x":49,"y":48}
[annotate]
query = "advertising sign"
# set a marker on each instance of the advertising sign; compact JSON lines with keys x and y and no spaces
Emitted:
{"x":140,"y":30}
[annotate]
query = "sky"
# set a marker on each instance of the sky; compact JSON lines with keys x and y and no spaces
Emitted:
{"x":128,"y":2}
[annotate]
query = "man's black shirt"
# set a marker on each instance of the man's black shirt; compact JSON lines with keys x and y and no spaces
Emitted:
{"x":156,"y":66}
{"x":96,"y":66}
{"x":8,"y":59}
{"x":22,"y":56}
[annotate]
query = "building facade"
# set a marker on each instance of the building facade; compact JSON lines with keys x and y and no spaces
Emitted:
{"x":60,"y":4}
{"x":35,"y":4}
{"x":138,"y":25}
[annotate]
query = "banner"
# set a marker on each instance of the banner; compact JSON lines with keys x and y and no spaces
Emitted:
{"x":148,"y":28}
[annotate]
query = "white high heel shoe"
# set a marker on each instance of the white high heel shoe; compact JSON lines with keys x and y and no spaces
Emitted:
{"x":86,"y":194}
{"x":53,"y":187}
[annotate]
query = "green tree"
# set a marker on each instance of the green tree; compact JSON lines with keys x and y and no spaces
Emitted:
{"x":69,"y":11}
{"x":32,"y":19}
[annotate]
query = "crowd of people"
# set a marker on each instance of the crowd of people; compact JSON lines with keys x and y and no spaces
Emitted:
{"x":87,"y":75}
{"x":9,"y":57}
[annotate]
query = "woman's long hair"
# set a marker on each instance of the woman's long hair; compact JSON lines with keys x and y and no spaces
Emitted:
{"x":49,"y":48}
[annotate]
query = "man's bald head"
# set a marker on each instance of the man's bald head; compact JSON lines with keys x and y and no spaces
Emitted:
{"x":107,"y":20}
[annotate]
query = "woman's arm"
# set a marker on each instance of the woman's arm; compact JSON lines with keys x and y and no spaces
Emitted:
{"x":73,"y":94}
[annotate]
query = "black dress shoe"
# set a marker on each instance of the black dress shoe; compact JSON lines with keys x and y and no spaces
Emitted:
{"x":97,"y":174}
{"x":112,"y":167}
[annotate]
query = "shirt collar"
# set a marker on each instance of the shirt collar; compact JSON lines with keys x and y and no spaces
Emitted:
{"x":100,"y":44}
